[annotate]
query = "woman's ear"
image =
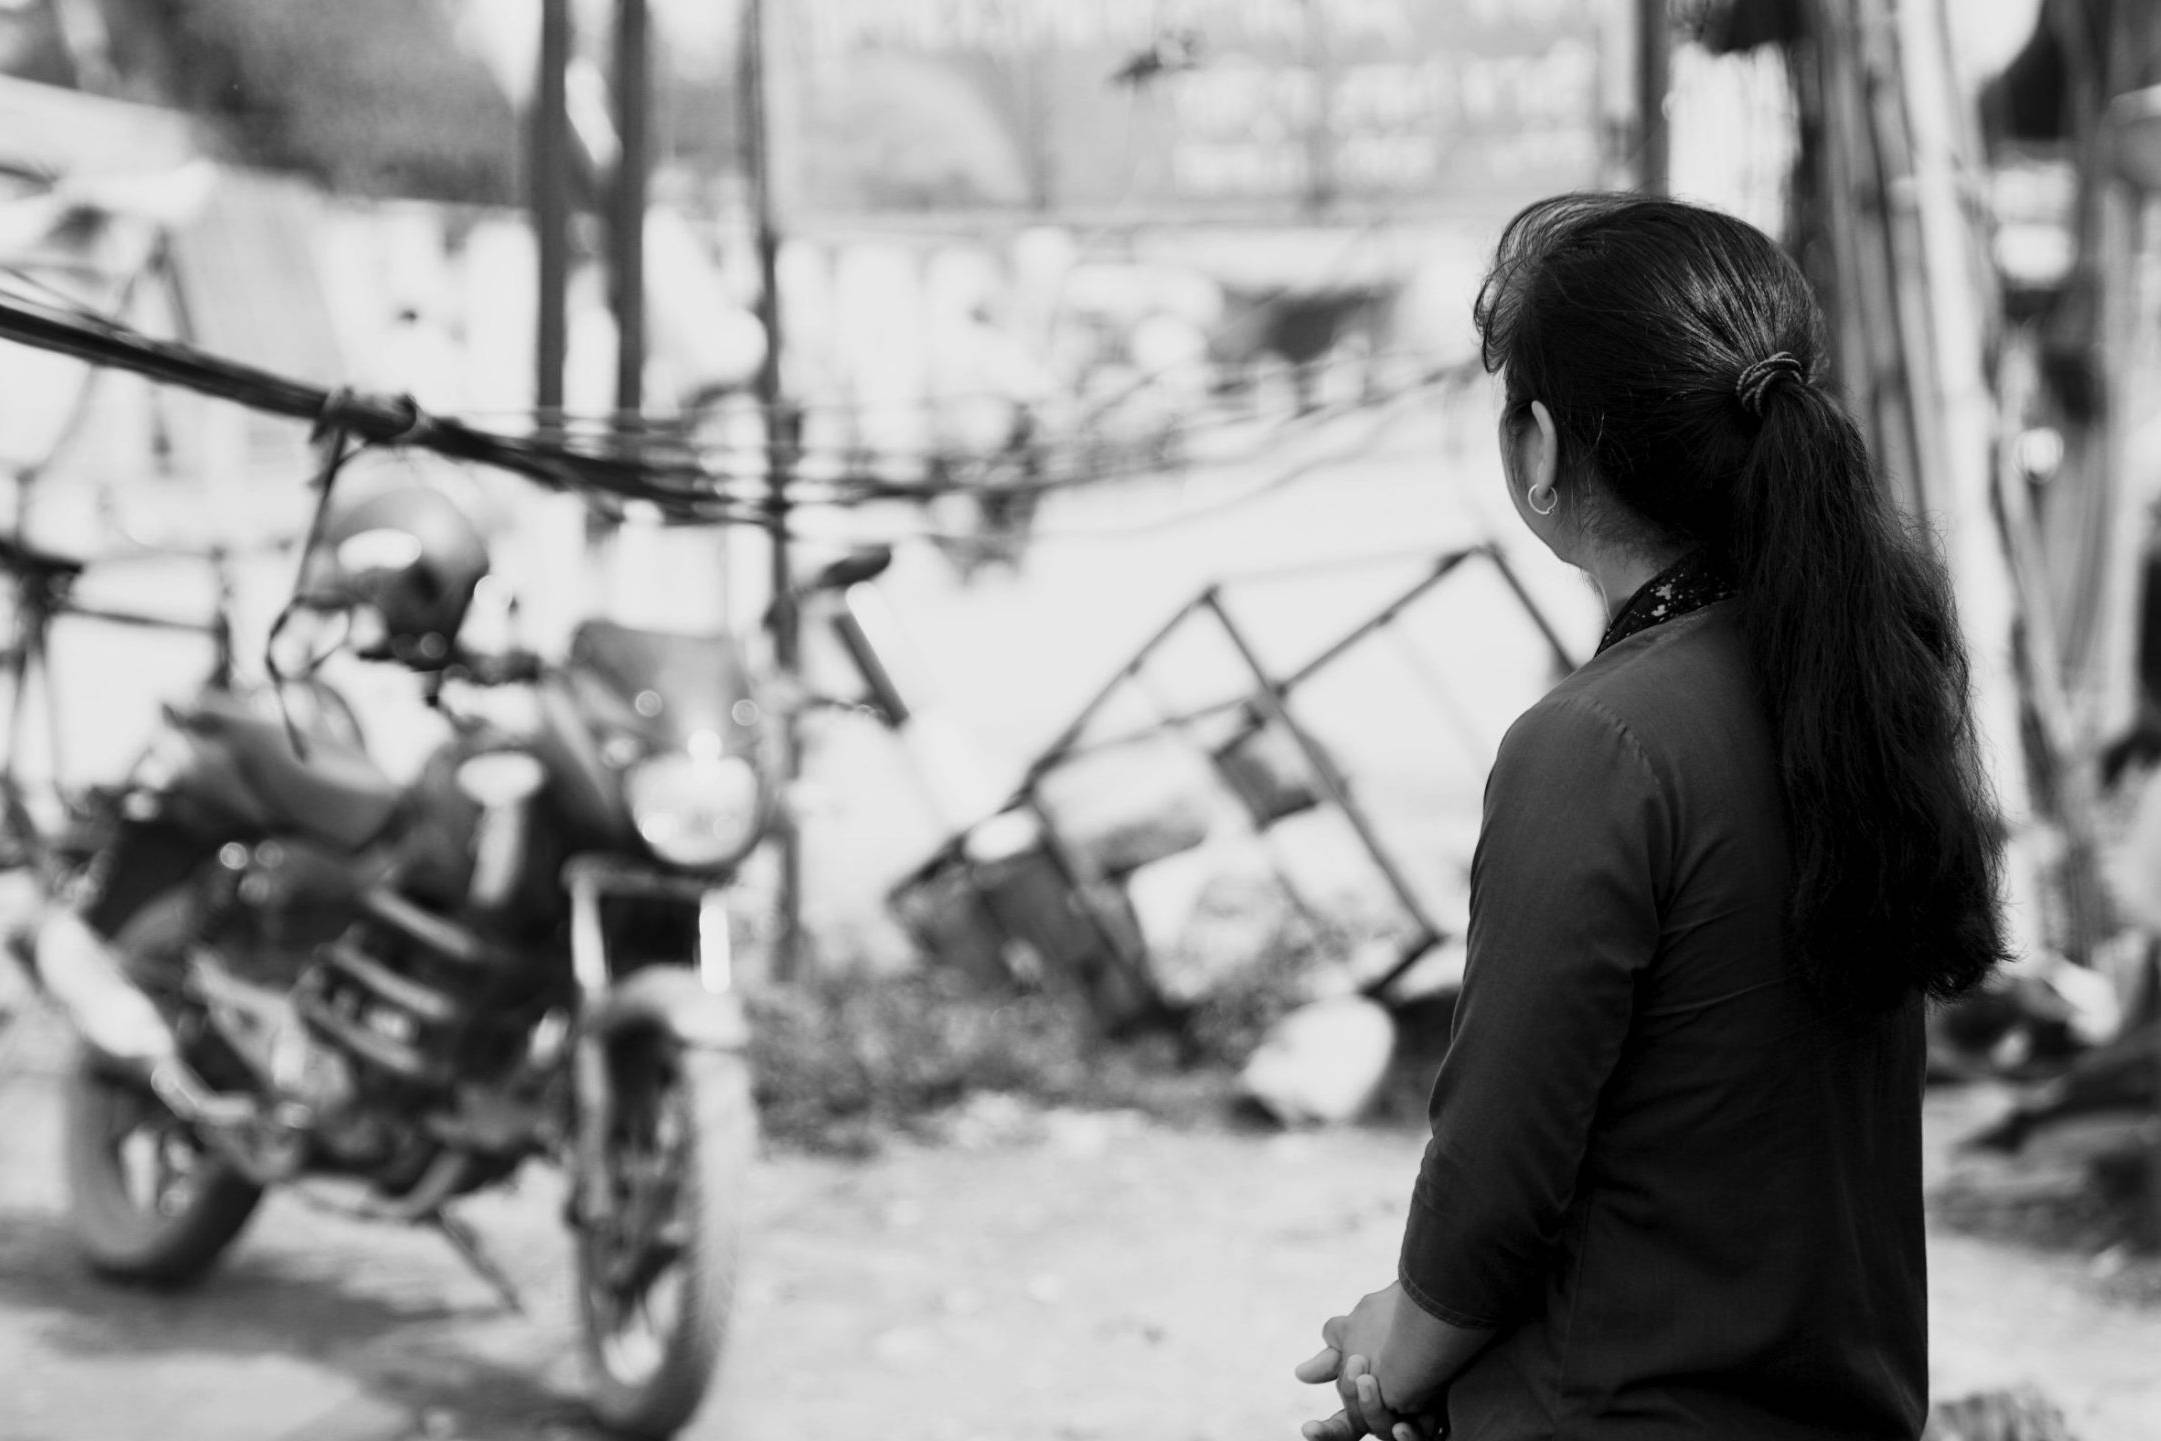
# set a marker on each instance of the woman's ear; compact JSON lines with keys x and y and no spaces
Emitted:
{"x":1543,"y":463}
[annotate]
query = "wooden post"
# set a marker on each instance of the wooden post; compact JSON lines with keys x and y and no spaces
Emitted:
{"x":780,"y":433}
{"x":2127,"y":236}
{"x":1949,"y":339}
{"x":627,"y":195}
{"x":1654,"y":77}
{"x":548,"y":185}
{"x":1846,"y":51}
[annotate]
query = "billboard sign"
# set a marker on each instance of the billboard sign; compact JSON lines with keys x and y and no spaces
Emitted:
{"x":1207,"y":105}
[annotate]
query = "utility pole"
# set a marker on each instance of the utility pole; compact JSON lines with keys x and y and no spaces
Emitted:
{"x":780,"y":441}
{"x":549,"y":187}
{"x":633,"y":86}
{"x":1654,"y":77}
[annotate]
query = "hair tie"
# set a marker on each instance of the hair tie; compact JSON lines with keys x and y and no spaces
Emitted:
{"x":1757,"y":380}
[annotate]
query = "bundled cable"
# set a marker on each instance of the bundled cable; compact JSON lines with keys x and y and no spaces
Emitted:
{"x":679,"y":488}
{"x":661,"y":464}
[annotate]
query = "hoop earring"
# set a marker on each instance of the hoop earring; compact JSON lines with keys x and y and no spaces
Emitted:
{"x":1553,"y":500}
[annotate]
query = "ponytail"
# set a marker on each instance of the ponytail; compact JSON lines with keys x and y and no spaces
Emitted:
{"x":1674,"y":348}
{"x":1851,"y":629}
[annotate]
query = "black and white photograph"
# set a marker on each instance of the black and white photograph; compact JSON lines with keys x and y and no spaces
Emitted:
{"x":1080,"y":720}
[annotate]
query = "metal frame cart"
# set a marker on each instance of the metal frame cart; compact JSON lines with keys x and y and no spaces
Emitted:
{"x":1014,"y":897}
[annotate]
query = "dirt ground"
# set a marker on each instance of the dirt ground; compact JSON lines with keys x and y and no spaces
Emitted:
{"x":1058,"y":1275}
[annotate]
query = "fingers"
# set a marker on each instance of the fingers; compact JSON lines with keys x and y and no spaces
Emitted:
{"x":1347,"y":1376}
{"x":1380,"y":1421}
{"x":1364,"y":1412}
{"x":1360,"y":1393}
{"x":1335,"y":1428}
{"x":1340,"y":1427}
{"x":1425,"y":1426}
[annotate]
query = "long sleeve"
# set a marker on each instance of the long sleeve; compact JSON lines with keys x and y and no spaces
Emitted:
{"x":1572,"y":854}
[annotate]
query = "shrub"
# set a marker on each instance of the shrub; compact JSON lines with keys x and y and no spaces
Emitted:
{"x":844,"y":1060}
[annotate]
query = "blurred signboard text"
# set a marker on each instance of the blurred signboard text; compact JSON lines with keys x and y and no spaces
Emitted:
{"x":1208,"y":106}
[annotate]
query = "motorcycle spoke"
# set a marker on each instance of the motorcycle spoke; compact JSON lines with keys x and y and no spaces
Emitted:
{"x":155,"y":1164}
{"x":128,"y":1118}
{"x":135,"y":1154}
{"x":638,"y":1327}
{"x":633,"y":1346}
{"x":645,"y":1238}
{"x":177,"y":1174}
{"x":638,"y":1257}
{"x":640,"y":1263}
{"x":650,"y":1234}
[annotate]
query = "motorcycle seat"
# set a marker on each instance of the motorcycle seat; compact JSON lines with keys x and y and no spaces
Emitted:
{"x":335,"y":794}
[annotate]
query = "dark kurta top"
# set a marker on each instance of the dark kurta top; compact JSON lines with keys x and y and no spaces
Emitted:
{"x":1687,"y":1193}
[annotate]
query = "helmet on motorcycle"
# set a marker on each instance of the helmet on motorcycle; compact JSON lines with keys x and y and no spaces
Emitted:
{"x":412,"y":555}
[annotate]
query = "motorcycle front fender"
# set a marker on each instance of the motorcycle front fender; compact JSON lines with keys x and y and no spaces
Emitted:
{"x":671,"y":999}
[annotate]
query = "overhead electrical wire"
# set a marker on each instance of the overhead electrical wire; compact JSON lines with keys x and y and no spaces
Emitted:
{"x":1366,"y":447}
{"x":663,"y":464}
{"x":1049,"y":466}
{"x":732,"y":405}
{"x":677,"y":489}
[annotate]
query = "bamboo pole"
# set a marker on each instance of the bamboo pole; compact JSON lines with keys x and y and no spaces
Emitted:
{"x":549,"y":187}
{"x":2127,"y":330}
{"x":1654,"y":78}
{"x":780,"y":441}
{"x":2077,"y":513}
{"x":1948,"y":364}
{"x":1870,"y":349}
{"x":633,"y":97}
{"x":2110,"y":670}
{"x":1895,"y":127}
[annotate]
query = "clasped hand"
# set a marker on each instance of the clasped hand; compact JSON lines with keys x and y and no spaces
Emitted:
{"x":1351,"y":1349}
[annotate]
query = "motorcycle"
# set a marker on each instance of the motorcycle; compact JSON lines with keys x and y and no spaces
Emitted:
{"x":288,"y":967}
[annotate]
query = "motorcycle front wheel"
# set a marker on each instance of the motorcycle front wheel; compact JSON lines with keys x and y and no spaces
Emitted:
{"x":656,"y":1275}
{"x":148,"y":1201}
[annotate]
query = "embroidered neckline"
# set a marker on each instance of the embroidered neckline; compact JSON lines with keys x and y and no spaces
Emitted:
{"x":1689,"y":584}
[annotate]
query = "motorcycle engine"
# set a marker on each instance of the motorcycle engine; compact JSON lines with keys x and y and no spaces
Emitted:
{"x":292,"y":897}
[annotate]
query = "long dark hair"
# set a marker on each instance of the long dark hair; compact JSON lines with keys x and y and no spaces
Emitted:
{"x":1634,"y":319}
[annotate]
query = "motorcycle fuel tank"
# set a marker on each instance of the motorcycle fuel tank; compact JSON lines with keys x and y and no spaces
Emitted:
{"x":225,"y":767}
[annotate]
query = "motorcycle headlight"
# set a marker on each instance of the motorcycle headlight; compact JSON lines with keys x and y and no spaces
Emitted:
{"x":694,"y":811}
